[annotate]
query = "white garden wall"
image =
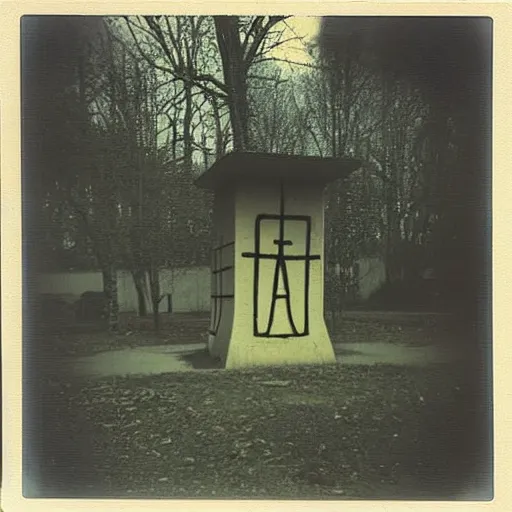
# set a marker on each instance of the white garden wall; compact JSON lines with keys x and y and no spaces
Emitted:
{"x":190,"y":288}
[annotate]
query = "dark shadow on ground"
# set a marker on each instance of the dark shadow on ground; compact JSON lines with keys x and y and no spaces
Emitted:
{"x":202,"y":360}
{"x":347,"y":352}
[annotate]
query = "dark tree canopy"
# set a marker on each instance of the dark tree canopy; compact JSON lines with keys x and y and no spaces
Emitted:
{"x":448,"y":59}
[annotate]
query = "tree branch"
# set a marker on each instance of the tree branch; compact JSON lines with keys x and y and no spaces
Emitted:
{"x":143,"y":54}
{"x":250,"y":54}
{"x":175,"y":69}
{"x":304,"y":64}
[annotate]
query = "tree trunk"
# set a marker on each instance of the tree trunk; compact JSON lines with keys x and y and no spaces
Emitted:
{"x":154,"y":284}
{"x":235,"y":77}
{"x":110,"y":289}
{"x":219,"y":138}
{"x":393,"y":260}
{"x":187,"y":128}
{"x":139,"y":280}
{"x":333,"y":121}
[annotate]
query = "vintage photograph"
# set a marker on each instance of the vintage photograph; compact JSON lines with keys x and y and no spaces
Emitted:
{"x":257,"y":257}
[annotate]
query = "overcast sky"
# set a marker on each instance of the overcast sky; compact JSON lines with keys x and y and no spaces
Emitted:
{"x":307,"y":30}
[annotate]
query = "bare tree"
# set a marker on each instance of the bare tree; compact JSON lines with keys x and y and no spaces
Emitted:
{"x":186,"y":48}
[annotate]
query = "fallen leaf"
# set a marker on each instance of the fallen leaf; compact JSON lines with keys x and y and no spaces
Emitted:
{"x":278,"y":383}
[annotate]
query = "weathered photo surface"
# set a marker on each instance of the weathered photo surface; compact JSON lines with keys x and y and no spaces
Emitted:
{"x":257,"y":257}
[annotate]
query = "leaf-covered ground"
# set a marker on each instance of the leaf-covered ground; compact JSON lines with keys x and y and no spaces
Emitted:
{"x":87,"y":340}
{"x":330,"y":432}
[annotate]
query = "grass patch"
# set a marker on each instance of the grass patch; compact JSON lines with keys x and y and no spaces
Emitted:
{"x":325,"y":432}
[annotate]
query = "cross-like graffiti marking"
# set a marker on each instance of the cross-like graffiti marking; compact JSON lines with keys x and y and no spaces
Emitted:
{"x":218,"y":296}
{"x":281,"y":270}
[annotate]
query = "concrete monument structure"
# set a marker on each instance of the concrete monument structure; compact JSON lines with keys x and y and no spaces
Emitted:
{"x":267,"y":263}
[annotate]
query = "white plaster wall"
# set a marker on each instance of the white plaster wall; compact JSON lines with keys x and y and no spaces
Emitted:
{"x":126,"y":294}
{"x":224,"y":233}
{"x":70,"y":283}
{"x":245,"y":349}
{"x":190,"y":287}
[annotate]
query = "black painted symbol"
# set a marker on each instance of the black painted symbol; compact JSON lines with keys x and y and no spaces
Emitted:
{"x":281,"y":271}
{"x":218,"y":296}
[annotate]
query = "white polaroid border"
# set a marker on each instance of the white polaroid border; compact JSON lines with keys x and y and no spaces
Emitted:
{"x":11,"y":12}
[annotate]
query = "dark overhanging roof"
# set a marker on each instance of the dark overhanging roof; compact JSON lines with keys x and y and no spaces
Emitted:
{"x":245,"y":166}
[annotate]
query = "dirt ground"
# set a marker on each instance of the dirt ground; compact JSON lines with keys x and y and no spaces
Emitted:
{"x":329,"y":432}
{"x":333,"y":432}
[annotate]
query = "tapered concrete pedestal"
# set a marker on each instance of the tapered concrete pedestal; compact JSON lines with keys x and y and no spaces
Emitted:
{"x":267,"y":264}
